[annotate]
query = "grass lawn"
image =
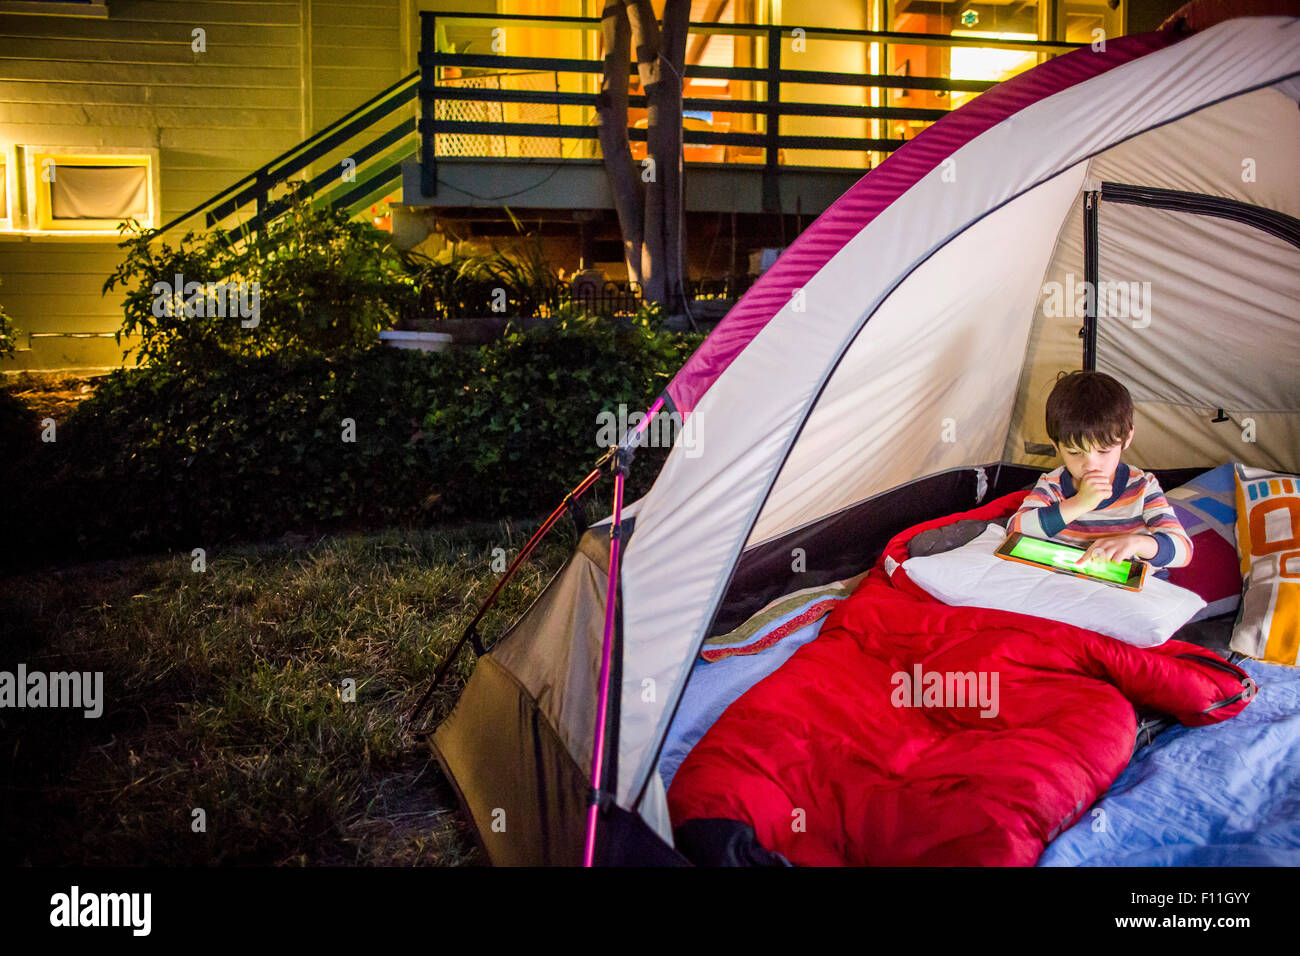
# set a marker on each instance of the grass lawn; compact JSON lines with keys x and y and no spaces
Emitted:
{"x":222,"y":691}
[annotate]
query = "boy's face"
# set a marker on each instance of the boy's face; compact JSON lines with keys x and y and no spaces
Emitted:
{"x":1081,"y":460}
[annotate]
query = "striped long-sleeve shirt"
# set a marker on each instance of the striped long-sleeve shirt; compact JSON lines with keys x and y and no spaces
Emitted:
{"x":1137,"y":504}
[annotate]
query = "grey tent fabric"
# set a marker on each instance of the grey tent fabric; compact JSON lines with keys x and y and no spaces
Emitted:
{"x":518,"y":744}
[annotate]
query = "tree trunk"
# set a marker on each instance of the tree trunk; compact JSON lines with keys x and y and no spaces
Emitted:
{"x":611,"y":133}
{"x":671,"y":192}
{"x":652,"y":223}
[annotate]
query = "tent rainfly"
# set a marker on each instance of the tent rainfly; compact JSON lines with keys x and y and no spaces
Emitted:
{"x":1132,"y":209}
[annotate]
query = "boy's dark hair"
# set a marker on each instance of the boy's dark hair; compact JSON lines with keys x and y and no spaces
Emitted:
{"x":1088,"y":408}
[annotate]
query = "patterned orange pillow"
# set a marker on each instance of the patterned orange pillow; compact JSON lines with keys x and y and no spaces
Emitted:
{"x":1268,"y":541}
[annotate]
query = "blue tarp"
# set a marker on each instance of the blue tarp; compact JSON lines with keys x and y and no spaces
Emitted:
{"x":1223,"y":795}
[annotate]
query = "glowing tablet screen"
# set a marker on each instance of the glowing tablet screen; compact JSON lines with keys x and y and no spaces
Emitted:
{"x":1064,"y":556}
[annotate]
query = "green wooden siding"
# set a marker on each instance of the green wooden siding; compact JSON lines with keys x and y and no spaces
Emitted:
{"x":274,"y":72}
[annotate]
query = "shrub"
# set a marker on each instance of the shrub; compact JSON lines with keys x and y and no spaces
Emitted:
{"x":313,"y":282}
{"x":162,"y":457}
{"x":8,"y":335}
{"x":19,"y":430}
{"x":526,"y":428}
{"x":19,"y":439}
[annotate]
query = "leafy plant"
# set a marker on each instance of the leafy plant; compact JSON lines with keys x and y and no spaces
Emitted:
{"x":256,"y":446}
{"x":167,"y":334}
{"x":527,"y":426}
{"x":312,"y":282}
{"x":473,"y":285}
{"x":8,"y":335}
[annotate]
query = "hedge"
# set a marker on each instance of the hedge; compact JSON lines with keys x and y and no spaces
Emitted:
{"x":258,"y":446}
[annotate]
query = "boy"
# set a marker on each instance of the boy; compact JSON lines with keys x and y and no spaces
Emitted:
{"x":1094,"y":500}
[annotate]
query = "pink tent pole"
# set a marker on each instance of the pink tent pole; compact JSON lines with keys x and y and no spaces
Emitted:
{"x":611,"y":592}
{"x":651,"y":412}
{"x":572,"y":496}
{"x":621,"y":458}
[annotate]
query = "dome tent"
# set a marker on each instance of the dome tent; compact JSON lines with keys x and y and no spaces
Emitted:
{"x":1132,"y":209}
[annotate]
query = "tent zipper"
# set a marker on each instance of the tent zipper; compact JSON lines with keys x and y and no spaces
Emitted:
{"x":1091,"y":275}
{"x":1277,"y":224}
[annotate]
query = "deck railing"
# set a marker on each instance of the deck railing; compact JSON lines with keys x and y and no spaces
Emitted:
{"x":436,"y":91}
{"x":465,"y":98}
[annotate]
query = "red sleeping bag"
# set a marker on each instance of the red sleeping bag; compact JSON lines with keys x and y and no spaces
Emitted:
{"x":835,"y":759}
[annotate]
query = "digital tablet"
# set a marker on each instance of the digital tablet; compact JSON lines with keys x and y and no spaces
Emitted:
{"x":1062,"y":559}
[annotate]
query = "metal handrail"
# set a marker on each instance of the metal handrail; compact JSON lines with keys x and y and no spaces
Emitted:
{"x":263,"y":178}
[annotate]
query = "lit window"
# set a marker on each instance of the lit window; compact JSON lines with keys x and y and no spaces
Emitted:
{"x":92,"y":192}
{"x":716,"y":49}
{"x":988,"y":63}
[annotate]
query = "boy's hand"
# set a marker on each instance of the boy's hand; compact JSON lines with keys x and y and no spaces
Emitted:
{"x":1120,"y":547}
{"x":1094,"y":488}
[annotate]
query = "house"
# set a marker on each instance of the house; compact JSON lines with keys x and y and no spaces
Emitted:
{"x":188,"y":115}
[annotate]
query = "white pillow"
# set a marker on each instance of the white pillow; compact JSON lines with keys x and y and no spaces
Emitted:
{"x":973,"y":576}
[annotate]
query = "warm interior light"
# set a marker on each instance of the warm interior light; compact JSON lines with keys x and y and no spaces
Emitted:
{"x":988,"y":63}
